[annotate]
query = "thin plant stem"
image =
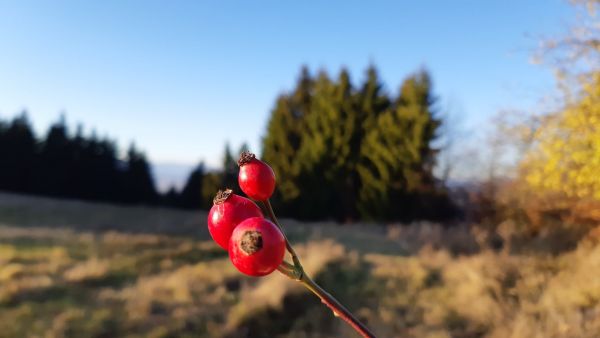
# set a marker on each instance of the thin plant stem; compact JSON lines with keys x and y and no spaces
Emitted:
{"x":338,"y":309}
{"x":296,"y":272}
{"x":289,"y":247}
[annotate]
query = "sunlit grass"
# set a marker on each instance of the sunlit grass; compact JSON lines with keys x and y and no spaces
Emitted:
{"x":417,"y":281}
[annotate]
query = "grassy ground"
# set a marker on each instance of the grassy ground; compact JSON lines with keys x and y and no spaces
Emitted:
{"x":73,"y":269}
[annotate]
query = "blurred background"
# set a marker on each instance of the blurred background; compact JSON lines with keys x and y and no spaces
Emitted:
{"x":438,"y":166}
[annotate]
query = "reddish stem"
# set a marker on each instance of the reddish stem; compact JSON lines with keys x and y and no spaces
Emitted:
{"x":338,"y":309}
{"x":296,"y":272}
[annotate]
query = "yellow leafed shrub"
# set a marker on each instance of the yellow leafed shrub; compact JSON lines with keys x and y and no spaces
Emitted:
{"x":564,"y":160}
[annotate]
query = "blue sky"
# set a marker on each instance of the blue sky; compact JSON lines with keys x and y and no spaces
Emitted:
{"x":182,"y":77}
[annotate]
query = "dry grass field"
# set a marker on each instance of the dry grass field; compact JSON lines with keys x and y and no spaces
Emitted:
{"x":74,"y":269}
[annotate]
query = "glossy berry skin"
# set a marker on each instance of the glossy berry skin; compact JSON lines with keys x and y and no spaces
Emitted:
{"x":256,"y":178}
{"x":256,"y":247}
{"x":227,"y":212}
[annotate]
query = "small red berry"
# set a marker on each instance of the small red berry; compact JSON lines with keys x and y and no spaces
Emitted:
{"x":227,"y":212}
{"x":256,"y":178}
{"x":256,"y":247}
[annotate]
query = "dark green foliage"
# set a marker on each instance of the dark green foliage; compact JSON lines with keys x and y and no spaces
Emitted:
{"x":211,"y":183}
{"x":55,"y":154}
{"x":71,"y":166}
{"x":349,"y":153}
{"x":191,"y":196}
{"x":89,"y":168}
{"x":397,"y":157}
{"x":170,"y":198}
{"x":282,"y":143}
{"x":229,"y":177}
{"x":339,"y":151}
{"x":17,"y":155}
{"x":139,"y":185}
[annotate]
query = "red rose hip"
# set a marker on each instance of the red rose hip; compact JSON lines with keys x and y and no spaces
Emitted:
{"x":256,"y":178}
{"x":227,"y":212}
{"x":256,"y":247}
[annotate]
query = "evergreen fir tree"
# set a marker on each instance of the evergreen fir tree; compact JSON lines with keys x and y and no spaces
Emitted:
{"x":54,"y":160}
{"x":326,"y":148}
{"x":108,"y":173}
{"x":349,"y":153}
{"x":77,"y":168}
{"x":398,"y":154}
{"x":244,"y":147}
{"x":139,"y":182}
{"x":171,"y":198}
{"x":285,"y":132}
{"x":229,"y":178}
{"x":211,"y":183}
{"x":191,"y":196}
{"x":17,"y":155}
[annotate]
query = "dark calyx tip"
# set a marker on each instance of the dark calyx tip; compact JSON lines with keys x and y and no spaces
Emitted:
{"x":246,"y":157}
{"x":222,"y":196}
{"x":251,"y":242}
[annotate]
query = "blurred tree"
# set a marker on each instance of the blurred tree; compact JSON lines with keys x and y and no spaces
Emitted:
{"x":229,"y":176}
{"x":243,"y":147}
{"x":171,"y":198}
{"x":54,"y":176}
{"x":347,"y":153}
{"x":191,"y":196}
{"x":575,"y":56}
{"x":373,"y":102}
{"x":102,"y":175}
{"x":17,"y":155}
{"x":565,"y":157}
{"x":327,"y":148}
{"x":76,"y":167}
{"x":108,"y":176}
{"x":211,"y":183}
{"x":399,"y":155}
{"x":285,"y":131}
{"x":139,"y":185}
{"x":560,"y":167}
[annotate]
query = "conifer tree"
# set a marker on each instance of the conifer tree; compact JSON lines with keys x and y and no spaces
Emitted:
{"x":348,"y":153}
{"x":398,"y":152}
{"x":372,"y":101}
{"x":327,"y":147}
{"x":107,"y":172}
{"x":54,"y":158}
{"x":229,"y":176}
{"x":138,"y":178}
{"x":285,"y":132}
{"x":211,"y":183}
{"x":17,"y":155}
{"x":171,"y":198}
{"x":191,"y":196}
{"x":244,"y":147}
{"x":77,"y":166}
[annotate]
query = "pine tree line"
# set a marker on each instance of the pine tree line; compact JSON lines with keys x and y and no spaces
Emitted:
{"x":89,"y":168}
{"x":356,"y":152}
{"x":77,"y":166}
{"x":339,"y":151}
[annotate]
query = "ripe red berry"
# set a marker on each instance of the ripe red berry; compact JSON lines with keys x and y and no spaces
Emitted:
{"x":256,"y":247}
{"x":256,"y":178}
{"x":227,"y":212}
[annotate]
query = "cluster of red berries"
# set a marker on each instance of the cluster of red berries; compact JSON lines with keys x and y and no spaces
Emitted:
{"x":256,"y":246}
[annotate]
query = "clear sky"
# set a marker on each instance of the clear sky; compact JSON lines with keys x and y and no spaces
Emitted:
{"x":182,"y":77}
